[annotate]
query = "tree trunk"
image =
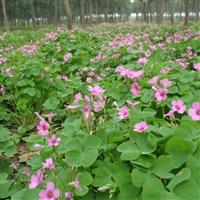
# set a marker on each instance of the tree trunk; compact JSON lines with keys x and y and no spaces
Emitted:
{"x":150,"y":12}
{"x":144,"y":10}
{"x":5,"y":18}
{"x":159,"y":11}
{"x":82,"y":11}
{"x":111,"y":10}
{"x":186,"y":12}
{"x":171,"y":6}
{"x":33,"y":14}
{"x":90,"y":11}
{"x":197,"y":9}
{"x":68,"y":14}
{"x":55,"y":12}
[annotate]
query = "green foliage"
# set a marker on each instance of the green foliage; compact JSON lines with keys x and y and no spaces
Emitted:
{"x":106,"y":155}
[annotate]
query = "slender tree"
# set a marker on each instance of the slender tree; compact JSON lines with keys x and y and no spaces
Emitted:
{"x":186,"y":12}
{"x":5,"y":18}
{"x":82,"y":11}
{"x":33,"y":14}
{"x":69,"y":14}
{"x":90,"y":11}
{"x":159,"y":11}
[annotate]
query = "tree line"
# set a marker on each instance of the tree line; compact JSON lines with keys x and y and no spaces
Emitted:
{"x":21,"y":13}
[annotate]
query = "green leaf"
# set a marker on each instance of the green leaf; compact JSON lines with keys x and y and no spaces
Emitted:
{"x":180,"y":149}
{"x":139,"y":177}
{"x":25,"y":194}
{"x":51,"y":103}
{"x":128,"y":192}
{"x":163,"y":165}
{"x":153,"y":189}
{"x":187,"y":190}
{"x":183,"y":175}
{"x":145,"y":144}
{"x":129,"y":151}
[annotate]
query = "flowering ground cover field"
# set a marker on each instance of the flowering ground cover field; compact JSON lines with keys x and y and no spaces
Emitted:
{"x":109,"y":112}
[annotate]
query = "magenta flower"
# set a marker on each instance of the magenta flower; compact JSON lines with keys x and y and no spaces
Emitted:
{"x":14,"y":165}
{"x":98,"y":105}
{"x":142,"y":61}
{"x":161,"y":94}
{"x":86,"y":111}
{"x":135,"y":88}
{"x":197,"y":66}
{"x":77,"y":97}
{"x":89,"y":79}
{"x":53,"y":141}
{"x":50,"y":116}
{"x":140,"y":127}
{"x":132,"y":104}
{"x":76,"y":184}
{"x":67,"y":57}
{"x":166,"y":83}
{"x":43,"y":128}
{"x":49,"y":164}
{"x":36,"y":180}
{"x":169,"y":114}
{"x":154,"y":80}
{"x":148,"y":53}
{"x":138,"y":74}
{"x":51,"y":193}
{"x":194,"y":111}
{"x":123,"y":112}
{"x":69,"y":195}
{"x":71,"y":107}
{"x":96,"y":90}
{"x":178,"y":106}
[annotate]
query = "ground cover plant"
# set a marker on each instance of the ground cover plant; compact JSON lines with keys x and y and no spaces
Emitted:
{"x":106,"y":112}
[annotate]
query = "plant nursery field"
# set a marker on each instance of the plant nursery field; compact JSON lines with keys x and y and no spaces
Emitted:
{"x":105,"y":112}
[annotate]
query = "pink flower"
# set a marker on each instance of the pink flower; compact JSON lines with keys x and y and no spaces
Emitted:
{"x":138,"y":74}
{"x":148,"y":53}
{"x":194,"y":111}
{"x":123,"y":112}
{"x":72,"y":107}
{"x":69,"y":195}
{"x":38,"y":146}
{"x":140,"y":127}
{"x":132,"y":105}
{"x":26,"y":172}
{"x":86,"y":111}
{"x":50,"y":116}
{"x":52,"y":36}
{"x":161,"y":94}
{"x":96,"y":90}
{"x":51,"y":193}
{"x":76,"y":184}
{"x":36,"y":180}
{"x":53,"y":141}
{"x":89,"y":79}
{"x":135,"y":88}
{"x":43,"y":128}
{"x":169,"y":114}
{"x":77,"y":97}
{"x":98,"y":105}
{"x":154,"y":80}
{"x":165,"y":70}
{"x":165,"y":83}
{"x":67,"y":57}
{"x":142,"y":61}
{"x":178,"y":106}
{"x":49,"y":164}
{"x":14,"y":165}
{"x":197,"y":67}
